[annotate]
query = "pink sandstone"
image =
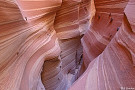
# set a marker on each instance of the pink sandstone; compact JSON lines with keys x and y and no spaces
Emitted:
{"x":67,"y":44}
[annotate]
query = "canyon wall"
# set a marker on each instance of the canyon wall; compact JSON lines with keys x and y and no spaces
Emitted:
{"x":40,"y":43}
{"x":114,"y":68}
{"x":102,"y":29}
{"x":49,"y":44}
{"x":25,"y":44}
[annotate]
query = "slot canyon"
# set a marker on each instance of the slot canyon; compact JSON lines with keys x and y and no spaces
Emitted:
{"x":67,"y":44}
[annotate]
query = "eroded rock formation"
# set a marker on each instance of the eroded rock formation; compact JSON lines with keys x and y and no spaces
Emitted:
{"x":32,"y":34}
{"x":48,"y":44}
{"x":103,"y":28}
{"x":114,"y":68}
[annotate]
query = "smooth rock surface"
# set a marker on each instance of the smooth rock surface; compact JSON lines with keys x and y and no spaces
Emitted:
{"x":114,"y":68}
{"x":49,"y":44}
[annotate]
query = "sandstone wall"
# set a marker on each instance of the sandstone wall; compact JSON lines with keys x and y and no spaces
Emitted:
{"x":40,"y":43}
{"x":114,"y":68}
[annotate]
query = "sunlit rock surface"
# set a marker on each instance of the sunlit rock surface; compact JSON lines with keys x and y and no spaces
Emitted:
{"x":48,"y":44}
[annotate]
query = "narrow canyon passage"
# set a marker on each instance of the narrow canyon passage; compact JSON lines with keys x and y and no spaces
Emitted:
{"x":67,"y":45}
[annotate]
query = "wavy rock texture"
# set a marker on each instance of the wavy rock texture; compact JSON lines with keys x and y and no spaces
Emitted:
{"x":38,"y":49}
{"x":114,"y":68}
{"x":25,"y":45}
{"x":102,"y":30}
{"x":42,"y":43}
{"x":71,"y":21}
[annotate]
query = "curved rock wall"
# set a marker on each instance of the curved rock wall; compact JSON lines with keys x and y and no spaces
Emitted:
{"x":114,"y":68}
{"x":25,"y":45}
{"x":41,"y":44}
{"x":36,"y":41}
{"x":102,"y":29}
{"x":71,"y":21}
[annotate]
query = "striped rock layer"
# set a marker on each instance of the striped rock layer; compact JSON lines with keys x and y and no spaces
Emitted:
{"x":114,"y":68}
{"x":42,"y":43}
{"x":102,"y":29}
{"x":25,"y":45}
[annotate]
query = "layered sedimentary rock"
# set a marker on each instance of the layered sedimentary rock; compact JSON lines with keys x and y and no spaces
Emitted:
{"x":25,"y":45}
{"x":37,"y":53}
{"x":71,"y":21}
{"x":114,"y":68}
{"x":42,"y":43}
{"x":104,"y":25}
